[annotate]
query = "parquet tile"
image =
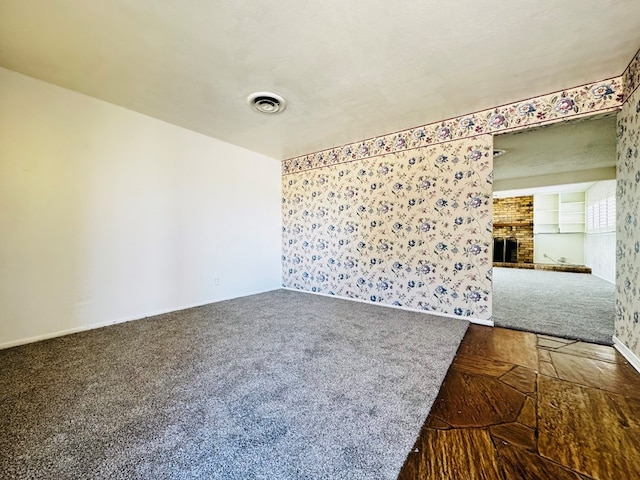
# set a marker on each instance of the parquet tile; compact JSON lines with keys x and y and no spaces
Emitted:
{"x":544,"y":355}
{"x":591,"y":431}
{"x":548,"y":343}
{"x":556,"y":339}
{"x":511,"y":346}
{"x":593,"y":351}
{"x":503,"y":413}
{"x":436,"y":424}
{"x":521,"y":378}
{"x":547,"y":368}
{"x":481,"y":365}
{"x":528,"y":413}
{"x":476,"y":401}
{"x":515,"y":434}
{"x":614,"y":377}
{"x":520,"y":464}
{"x":453,"y":454}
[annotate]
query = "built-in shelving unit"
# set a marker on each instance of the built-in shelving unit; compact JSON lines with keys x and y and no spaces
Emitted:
{"x":572,"y":212}
{"x":546,"y":218}
{"x":559,"y":213}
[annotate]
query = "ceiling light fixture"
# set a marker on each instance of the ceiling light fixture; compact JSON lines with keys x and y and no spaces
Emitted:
{"x":267,"y":102}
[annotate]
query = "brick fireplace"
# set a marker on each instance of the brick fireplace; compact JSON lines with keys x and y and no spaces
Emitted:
{"x":513,"y":218}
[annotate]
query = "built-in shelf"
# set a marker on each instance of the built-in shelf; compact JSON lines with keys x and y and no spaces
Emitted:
{"x":559,"y":213}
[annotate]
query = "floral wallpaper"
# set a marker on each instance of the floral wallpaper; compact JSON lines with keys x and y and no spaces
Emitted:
{"x":589,"y":99}
{"x":410,"y":228}
{"x":631,"y":75}
{"x":406,"y":218}
{"x":627,"y":326}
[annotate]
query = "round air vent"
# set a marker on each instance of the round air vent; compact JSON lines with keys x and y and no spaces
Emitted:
{"x":497,"y":152}
{"x":267,"y":102}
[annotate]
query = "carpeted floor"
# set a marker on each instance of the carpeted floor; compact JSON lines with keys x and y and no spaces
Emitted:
{"x":281,"y":385}
{"x":570,"y":305}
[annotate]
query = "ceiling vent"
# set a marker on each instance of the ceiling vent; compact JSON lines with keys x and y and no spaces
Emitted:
{"x":497,"y":152}
{"x":267,"y":102}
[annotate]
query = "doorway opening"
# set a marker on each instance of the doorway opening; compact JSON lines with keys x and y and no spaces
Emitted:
{"x":554,"y":229}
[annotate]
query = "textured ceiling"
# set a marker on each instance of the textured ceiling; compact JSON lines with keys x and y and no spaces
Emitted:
{"x":557,"y":148}
{"x":349,"y":69}
{"x":562,"y":153}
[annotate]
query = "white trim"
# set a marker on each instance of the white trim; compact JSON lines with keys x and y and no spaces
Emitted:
{"x":93,"y":326}
{"x":613,"y":282}
{"x":626,"y":352}
{"x":479,"y":321}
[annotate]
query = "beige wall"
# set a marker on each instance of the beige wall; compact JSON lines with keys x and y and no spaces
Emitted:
{"x":627,"y":325}
{"x":108,"y":215}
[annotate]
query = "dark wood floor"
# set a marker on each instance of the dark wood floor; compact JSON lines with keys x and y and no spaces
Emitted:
{"x":516,"y":405}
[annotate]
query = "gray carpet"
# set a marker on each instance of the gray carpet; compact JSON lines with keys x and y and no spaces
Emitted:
{"x":570,"y":305}
{"x":281,"y":385}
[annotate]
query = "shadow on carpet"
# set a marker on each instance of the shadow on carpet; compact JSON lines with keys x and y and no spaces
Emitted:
{"x":571,"y":305}
{"x":280,"y":385}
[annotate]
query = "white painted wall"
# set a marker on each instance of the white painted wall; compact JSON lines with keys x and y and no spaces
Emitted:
{"x":600,"y":255}
{"x":567,"y":245}
{"x":600,"y":243}
{"x":557,"y":238}
{"x":108,"y":215}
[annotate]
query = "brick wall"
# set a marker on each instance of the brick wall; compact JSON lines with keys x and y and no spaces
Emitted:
{"x":513,"y":217}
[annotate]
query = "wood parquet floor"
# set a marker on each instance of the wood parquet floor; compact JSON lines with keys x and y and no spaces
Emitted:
{"x":520,"y":406}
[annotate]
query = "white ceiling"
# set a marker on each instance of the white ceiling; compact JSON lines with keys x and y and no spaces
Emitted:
{"x":563,"y":153}
{"x":349,"y":69}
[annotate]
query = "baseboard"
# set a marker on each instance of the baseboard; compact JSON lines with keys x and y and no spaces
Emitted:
{"x":59,"y":333}
{"x":478,"y":321}
{"x":613,"y":282}
{"x":93,"y":326}
{"x":626,"y":352}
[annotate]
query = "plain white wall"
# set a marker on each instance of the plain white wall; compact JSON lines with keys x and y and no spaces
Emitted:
{"x":552,"y":247}
{"x":108,"y":215}
{"x":558,"y":245}
{"x":600,"y":255}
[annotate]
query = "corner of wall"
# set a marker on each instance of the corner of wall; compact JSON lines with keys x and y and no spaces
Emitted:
{"x":627,"y":323}
{"x":109,"y":214}
{"x":631,"y":76}
{"x":632,"y":358}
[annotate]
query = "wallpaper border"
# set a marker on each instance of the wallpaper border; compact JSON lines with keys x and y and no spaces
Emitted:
{"x":585,"y":100}
{"x":631,"y":76}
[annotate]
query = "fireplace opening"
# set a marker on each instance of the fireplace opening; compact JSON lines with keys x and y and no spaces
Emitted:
{"x":505,"y":250}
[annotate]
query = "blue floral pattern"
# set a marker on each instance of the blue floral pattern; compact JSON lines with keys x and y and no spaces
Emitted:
{"x":599,"y":97}
{"x":631,"y":76}
{"x":627,"y":326}
{"x":397,"y":220}
{"x":410,"y":228}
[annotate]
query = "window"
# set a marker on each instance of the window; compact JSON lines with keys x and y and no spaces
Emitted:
{"x":601,"y":216}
